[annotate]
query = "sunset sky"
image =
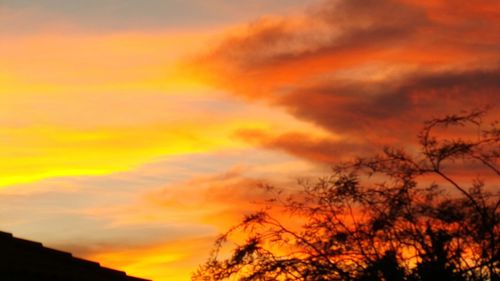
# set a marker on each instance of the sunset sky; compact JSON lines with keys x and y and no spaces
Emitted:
{"x":133,"y":132}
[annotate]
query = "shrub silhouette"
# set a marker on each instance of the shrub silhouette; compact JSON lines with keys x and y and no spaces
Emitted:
{"x":390,"y":217}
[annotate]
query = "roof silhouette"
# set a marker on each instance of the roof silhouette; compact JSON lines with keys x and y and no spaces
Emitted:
{"x":24,"y":260}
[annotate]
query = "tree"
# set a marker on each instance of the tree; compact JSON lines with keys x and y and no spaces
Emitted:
{"x":392,"y":216}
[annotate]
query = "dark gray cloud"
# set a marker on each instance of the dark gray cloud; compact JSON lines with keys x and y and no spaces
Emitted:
{"x":381,"y":106}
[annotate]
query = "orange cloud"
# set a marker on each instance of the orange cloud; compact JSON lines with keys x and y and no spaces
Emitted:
{"x":321,"y":149}
{"x":219,"y":200}
{"x":368,"y":71}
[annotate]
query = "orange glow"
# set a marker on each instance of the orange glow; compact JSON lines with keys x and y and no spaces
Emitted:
{"x":161,"y":122}
{"x":167,"y":261}
{"x":50,"y":63}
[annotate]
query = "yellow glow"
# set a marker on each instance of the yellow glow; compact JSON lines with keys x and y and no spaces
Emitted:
{"x":173,"y":82}
{"x":31,"y":154}
{"x":147,"y":265}
{"x":169,"y":261}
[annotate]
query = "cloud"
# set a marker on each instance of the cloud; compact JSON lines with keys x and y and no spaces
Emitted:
{"x":362,"y":106}
{"x":368,"y":71}
{"x":332,"y":28}
{"x":325,"y":149}
{"x":219,"y":199}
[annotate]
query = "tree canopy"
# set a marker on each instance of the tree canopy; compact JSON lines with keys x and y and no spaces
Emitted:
{"x":399,"y":215}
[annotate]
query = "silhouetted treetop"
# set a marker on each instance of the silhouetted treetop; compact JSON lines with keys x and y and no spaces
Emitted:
{"x":427,"y":214}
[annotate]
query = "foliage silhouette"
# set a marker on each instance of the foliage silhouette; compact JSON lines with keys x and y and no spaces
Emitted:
{"x":389,"y":217}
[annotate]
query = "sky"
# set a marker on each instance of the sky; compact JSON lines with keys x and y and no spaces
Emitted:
{"x":133,"y":132}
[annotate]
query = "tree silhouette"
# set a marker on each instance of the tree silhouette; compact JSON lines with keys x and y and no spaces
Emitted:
{"x":390,"y":217}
